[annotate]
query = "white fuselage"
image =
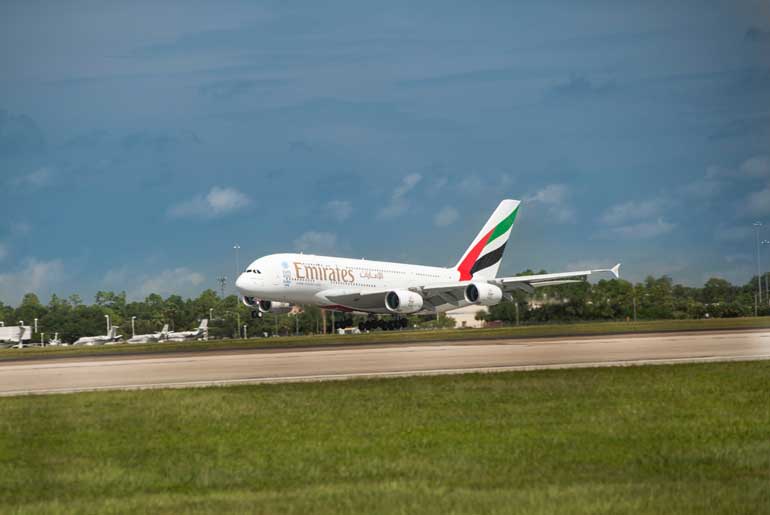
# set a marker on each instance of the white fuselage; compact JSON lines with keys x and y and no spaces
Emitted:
{"x":308,"y":279}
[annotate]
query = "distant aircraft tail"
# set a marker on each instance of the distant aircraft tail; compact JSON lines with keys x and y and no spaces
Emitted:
{"x":204,"y":324}
{"x":165,"y":329}
{"x":482,"y":259}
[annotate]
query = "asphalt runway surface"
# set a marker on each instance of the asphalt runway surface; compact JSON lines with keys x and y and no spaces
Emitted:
{"x":208,"y":368}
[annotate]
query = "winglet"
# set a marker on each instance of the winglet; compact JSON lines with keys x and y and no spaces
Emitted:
{"x":616,"y":271}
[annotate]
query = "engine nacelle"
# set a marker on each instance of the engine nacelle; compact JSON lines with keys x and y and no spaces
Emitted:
{"x":269,"y":306}
{"x":403,"y":301}
{"x":483,"y":293}
{"x":266,"y":306}
{"x":250,"y":302}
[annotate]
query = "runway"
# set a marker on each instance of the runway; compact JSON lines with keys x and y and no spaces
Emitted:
{"x":340,"y":362}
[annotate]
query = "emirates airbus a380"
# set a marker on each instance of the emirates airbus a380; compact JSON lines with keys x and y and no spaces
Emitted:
{"x":273,"y":283}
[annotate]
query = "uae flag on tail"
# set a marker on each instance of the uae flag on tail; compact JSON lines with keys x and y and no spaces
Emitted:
{"x":482,"y":259}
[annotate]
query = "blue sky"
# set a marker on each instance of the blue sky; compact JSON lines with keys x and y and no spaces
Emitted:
{"x":140,"y":141}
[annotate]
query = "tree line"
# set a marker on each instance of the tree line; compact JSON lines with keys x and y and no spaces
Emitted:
{"x":616,"y":299}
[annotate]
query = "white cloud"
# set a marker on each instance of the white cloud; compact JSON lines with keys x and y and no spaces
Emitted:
{"x":758,"y":202}
{"x":216,"y":203}
{"x":20,"y":228}
{"x":732,"y":232}
{"x":739,"y":258}
{"x":35,"y":179}
{"x":398,"y":204}
{"x":318,"y":242}
{"x":703,"y":188}
{"x":644,"y":230}
{"x":407,"y":184}
{"x":554,"y":198}
{"x":447,"y":216}
{"x":116,"y":277}
{"x":179,"y":280}
{"x":758,"y":166}
{"x":340,"y":210}
{"x":631,"y":211}
{"x":32,"y":278}
{"x":471,"y":185}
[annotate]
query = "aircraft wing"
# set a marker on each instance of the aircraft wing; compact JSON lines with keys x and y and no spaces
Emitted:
{"x":454,"y":292}
{"x":363,"y":300}
{"x":528,"y":283}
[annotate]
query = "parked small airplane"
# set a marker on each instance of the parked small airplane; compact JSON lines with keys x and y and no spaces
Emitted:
{"x":17,"y":336}
{"x":201,"y":333}
{"x":276,"y":281}
{"x":152,"y":337}
{"x":111,"y":337}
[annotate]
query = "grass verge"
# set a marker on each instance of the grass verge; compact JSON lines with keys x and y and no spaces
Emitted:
{"x":408,"y":336}
{"x":662,"y":439}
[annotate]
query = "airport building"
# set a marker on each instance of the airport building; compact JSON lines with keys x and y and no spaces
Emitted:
{"x":466,"y":316}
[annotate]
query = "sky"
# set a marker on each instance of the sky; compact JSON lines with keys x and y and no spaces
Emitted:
{"x":140,"y":141}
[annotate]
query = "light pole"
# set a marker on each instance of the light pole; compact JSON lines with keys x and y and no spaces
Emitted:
{"x":36,"y":325}
{"x":757,"y":225}
{"x":245,"y":332}
{"x":107,"y":317}
{"x":767,"y":285}
{"x":42,"y":339}
{"x":236,"y":248}
{"x":211,"y":316}
{"x":133,"y":329}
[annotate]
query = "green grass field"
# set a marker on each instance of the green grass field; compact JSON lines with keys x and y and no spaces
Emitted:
{"x":534,"y":331}
{"x":655,"y":439}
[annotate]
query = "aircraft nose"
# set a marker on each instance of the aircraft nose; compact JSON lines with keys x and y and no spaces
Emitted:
{"x":242,"y":282}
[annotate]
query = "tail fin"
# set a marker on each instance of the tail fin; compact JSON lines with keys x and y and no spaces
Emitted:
{"x":204,"y":323}
{"x":482,"y":259}
{"x":165,"y":329}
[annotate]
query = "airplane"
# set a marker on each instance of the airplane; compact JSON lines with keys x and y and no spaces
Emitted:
{"x":201,"y":333}
{"x":273,"y":283}
{"x":149,"y":338}
{"x":111,"y":337}
{"x":16,"y":336}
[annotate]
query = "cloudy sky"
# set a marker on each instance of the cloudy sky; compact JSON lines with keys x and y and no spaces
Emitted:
{"x":140,"y":141}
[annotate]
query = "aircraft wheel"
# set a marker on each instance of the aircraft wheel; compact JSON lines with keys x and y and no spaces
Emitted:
{"x":256,"y":314}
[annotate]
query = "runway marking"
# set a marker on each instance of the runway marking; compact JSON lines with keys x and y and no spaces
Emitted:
{"x":390,"y":374}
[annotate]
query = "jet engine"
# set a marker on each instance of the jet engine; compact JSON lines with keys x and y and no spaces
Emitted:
{"x":270,"y":306}
{"x":250,"y":302}
{"x":266,"y":306}
{"x":403,"y":301}
{"x":483,"y":293}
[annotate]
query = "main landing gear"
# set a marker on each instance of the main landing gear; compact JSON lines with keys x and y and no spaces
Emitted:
{"x":256,"y":314}
{"x":385,"y":325}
